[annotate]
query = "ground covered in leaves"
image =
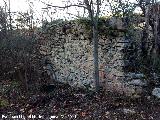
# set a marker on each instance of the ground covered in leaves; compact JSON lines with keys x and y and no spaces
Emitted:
{"x":61,"y":101}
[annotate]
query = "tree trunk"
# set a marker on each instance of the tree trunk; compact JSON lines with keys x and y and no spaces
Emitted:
{"x":95,"y":55}
{"x":10,"y":17}
{"x":94,"y":20}
{"x":145,"y":33}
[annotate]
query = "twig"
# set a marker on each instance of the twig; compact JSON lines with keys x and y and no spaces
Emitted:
{"x":64,"y":7}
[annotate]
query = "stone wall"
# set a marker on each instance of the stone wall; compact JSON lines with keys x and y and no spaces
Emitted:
{"x":70,"y":49}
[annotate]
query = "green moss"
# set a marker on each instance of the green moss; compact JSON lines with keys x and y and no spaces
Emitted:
{"x":4,"y":103}
{"x":84,"y":21}
{"x":104,"y":27}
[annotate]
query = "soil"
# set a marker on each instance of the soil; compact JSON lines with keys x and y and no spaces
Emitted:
{"x":62,"y":101}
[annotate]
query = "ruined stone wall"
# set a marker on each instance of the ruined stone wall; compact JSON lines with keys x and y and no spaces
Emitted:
{"x":70,"y":49}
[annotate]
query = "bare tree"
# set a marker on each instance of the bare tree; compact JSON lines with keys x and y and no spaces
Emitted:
{"x":3,"y":23}
{"x":10,"y":17}
{"x":94,"y":16}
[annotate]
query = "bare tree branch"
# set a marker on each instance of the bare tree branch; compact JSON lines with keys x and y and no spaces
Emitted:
{"x":88,"y":7}
{"x":64,"y":7}
{"x":73,"y":15}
